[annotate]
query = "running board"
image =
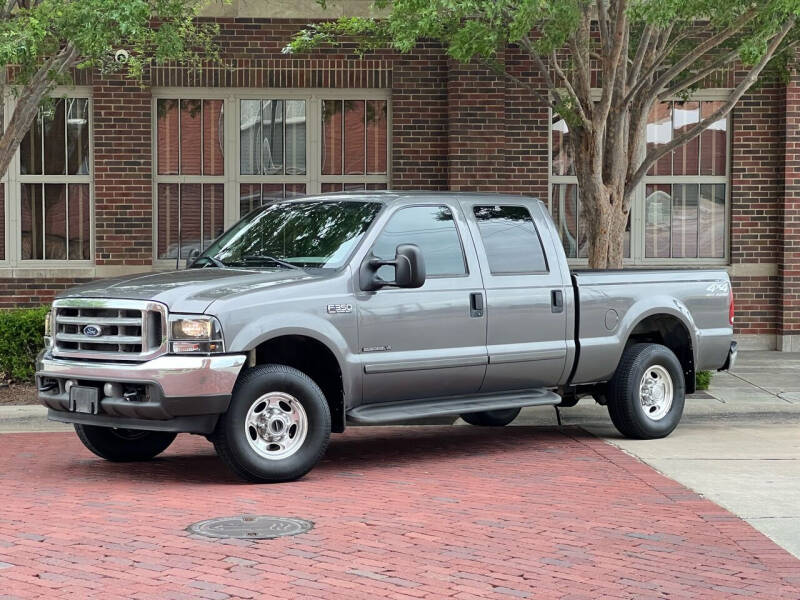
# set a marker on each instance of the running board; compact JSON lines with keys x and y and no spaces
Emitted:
{"x":389,"y":412}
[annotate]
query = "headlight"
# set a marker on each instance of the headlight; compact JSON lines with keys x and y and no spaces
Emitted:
{"x":48,"y":329}
{"x":195,"y":334}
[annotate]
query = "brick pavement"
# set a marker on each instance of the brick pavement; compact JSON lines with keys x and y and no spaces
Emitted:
{"x":401,"y":513}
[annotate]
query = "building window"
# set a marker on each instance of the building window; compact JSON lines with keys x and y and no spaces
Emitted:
{"x":190,"y":174}
{"x":54,"y":184}
{"x":224,"y":154}
{"x":680,"y":211}
{"x":273,"y":162}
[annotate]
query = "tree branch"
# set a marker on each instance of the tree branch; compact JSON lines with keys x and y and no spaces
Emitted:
{"x":570,"y":90}
{"x":526,"y":43}
{"x":700,"y":50}
{"x":611,"y":64}
{"x":641,"y":51}
{"x":700,"y":75}
{"x":734,"y":97}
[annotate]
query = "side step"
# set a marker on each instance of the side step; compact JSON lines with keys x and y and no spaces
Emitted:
{"x":389,"y":412}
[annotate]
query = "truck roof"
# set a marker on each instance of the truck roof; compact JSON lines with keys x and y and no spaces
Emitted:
{"x":412,"y":196}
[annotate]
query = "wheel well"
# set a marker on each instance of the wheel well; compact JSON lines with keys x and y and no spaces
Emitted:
{"x":672,"y":333}
{"x":313,"y":358}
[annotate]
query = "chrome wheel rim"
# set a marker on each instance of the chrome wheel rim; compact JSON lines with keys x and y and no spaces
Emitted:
{"x":276,"y":425}
{"x":656,"y":392}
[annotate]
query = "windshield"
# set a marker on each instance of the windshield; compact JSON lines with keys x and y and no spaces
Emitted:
{"x":293,"y":235}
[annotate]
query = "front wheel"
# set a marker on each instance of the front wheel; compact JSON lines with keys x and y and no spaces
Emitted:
{"x":647,"y":393}
{"x":124,"y":445}
{"x":492,"y":418}
{"x":277,"y":426}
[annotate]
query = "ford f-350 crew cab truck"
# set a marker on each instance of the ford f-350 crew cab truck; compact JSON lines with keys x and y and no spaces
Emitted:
{"x":372,"y":308}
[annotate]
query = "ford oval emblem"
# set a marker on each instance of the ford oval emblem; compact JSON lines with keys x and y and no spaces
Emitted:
{"x":92,"y":331}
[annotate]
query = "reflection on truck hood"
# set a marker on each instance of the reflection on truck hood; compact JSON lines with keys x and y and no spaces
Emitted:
{"x":191,"y":291}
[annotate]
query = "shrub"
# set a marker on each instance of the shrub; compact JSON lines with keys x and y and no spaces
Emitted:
{"x":21,"y":333}
{"x":703,"y":379}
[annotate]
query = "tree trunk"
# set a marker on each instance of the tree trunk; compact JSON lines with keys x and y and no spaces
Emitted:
{"x":28,"y":101}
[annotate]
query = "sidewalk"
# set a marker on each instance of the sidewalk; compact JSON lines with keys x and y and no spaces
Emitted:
{"x":738,"y":444}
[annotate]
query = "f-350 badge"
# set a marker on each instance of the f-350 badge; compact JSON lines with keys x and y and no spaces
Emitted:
{"x":339,"y":309}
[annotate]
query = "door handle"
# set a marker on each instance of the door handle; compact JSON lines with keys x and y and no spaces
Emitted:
{"x":476,"y":304}
{"x":556,"y":301}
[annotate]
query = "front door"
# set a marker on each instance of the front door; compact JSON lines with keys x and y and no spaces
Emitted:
{"x":425,"y":342}
{"x":525,"y":297}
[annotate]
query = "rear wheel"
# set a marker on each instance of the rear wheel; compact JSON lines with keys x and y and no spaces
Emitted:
{"x":277,"y":426}
{"x":492,"y":418}
{"x":647,"y":393}
{"x":124,"y":445}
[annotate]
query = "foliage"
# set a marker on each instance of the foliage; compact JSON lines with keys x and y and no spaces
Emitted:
{"x":21,"y":333}
{"x":644,"y":52}
{"x":44,"y":40}
{"x":703,"y":379}
{"x":151,"y":30}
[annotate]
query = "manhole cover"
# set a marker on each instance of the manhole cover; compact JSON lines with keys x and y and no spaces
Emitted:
{"x":251,"y":527}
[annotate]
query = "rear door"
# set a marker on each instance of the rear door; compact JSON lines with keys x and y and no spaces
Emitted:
{"x":425,"y":342}
{"x":525,"y":295}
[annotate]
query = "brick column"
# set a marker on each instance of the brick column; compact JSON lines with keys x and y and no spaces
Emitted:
{"x":789,"y":261}
{"x":122,"y":173}
{"x":476,"y":129}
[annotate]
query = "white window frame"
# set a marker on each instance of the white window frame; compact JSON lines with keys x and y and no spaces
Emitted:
{"x":231,"y":97}
{"x":13,"y":181}
{"x":638,"y":216}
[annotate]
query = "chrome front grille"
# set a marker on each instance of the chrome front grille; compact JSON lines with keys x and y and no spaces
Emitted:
{"x":109,"y":329}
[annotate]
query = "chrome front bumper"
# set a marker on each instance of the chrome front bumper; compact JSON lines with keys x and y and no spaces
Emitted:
{"x":166,"y":388}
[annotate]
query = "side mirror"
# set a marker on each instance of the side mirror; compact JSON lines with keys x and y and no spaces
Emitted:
{"x":409,"y":269}
{"x":193,"y":254}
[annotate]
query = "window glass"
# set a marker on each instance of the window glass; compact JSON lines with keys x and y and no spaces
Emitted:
{"x":254,"y":195}
{"x":685,"y":220}
{"x":433,"y":229}
{"x":354,"y":137}
{"x":682,"y":206}
{"x":272,"y":137}
{"x":190,"y":217}
{"x":54,"y":184}
{"x":510,"y":239}
{"x":305,"y":234}
{"x":78,"y":136}
{"x":2,"y":221}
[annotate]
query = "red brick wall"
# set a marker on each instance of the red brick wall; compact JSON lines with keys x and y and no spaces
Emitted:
{"x":452,"y":126}
{"x":122,"y":173}
{"x":758,"y":129}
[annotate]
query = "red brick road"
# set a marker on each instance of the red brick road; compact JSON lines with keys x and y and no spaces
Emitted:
{"x":427,"y":512}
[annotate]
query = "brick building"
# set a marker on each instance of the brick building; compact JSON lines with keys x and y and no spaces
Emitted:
{"x":120,"y":179}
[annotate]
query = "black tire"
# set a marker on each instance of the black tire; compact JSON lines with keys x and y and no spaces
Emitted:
{"x":625,"y":406}
{"x":492,"y":418}
{"x":230,"y":437}
{"x":124,"y":445}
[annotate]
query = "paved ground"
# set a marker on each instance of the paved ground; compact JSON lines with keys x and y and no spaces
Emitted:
{"x":738,"y":445}
{"x":423,"y":512}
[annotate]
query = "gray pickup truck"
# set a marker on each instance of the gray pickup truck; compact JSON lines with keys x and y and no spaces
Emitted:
{"x":373,"y":308}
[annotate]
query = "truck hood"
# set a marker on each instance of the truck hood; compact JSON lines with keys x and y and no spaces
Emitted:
{"x":190,"y":291}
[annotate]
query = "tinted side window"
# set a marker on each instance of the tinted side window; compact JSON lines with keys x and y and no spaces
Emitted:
{"x":432,"y":229}
{"x":510,"y":238}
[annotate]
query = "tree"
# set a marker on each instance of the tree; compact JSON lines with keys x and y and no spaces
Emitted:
{"x":44,"y":40}
{"x":643,"y":52}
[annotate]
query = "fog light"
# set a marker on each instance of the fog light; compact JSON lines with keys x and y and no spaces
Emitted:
{"x":112,"y":390}
{"x":69,"y":384}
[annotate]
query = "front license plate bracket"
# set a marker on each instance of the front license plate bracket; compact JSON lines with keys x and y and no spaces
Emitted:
{"x":84,"y":399}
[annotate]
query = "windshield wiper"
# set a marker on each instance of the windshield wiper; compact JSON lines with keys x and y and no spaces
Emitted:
{"x":277,"y":261}
{"x":213,"y":260}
